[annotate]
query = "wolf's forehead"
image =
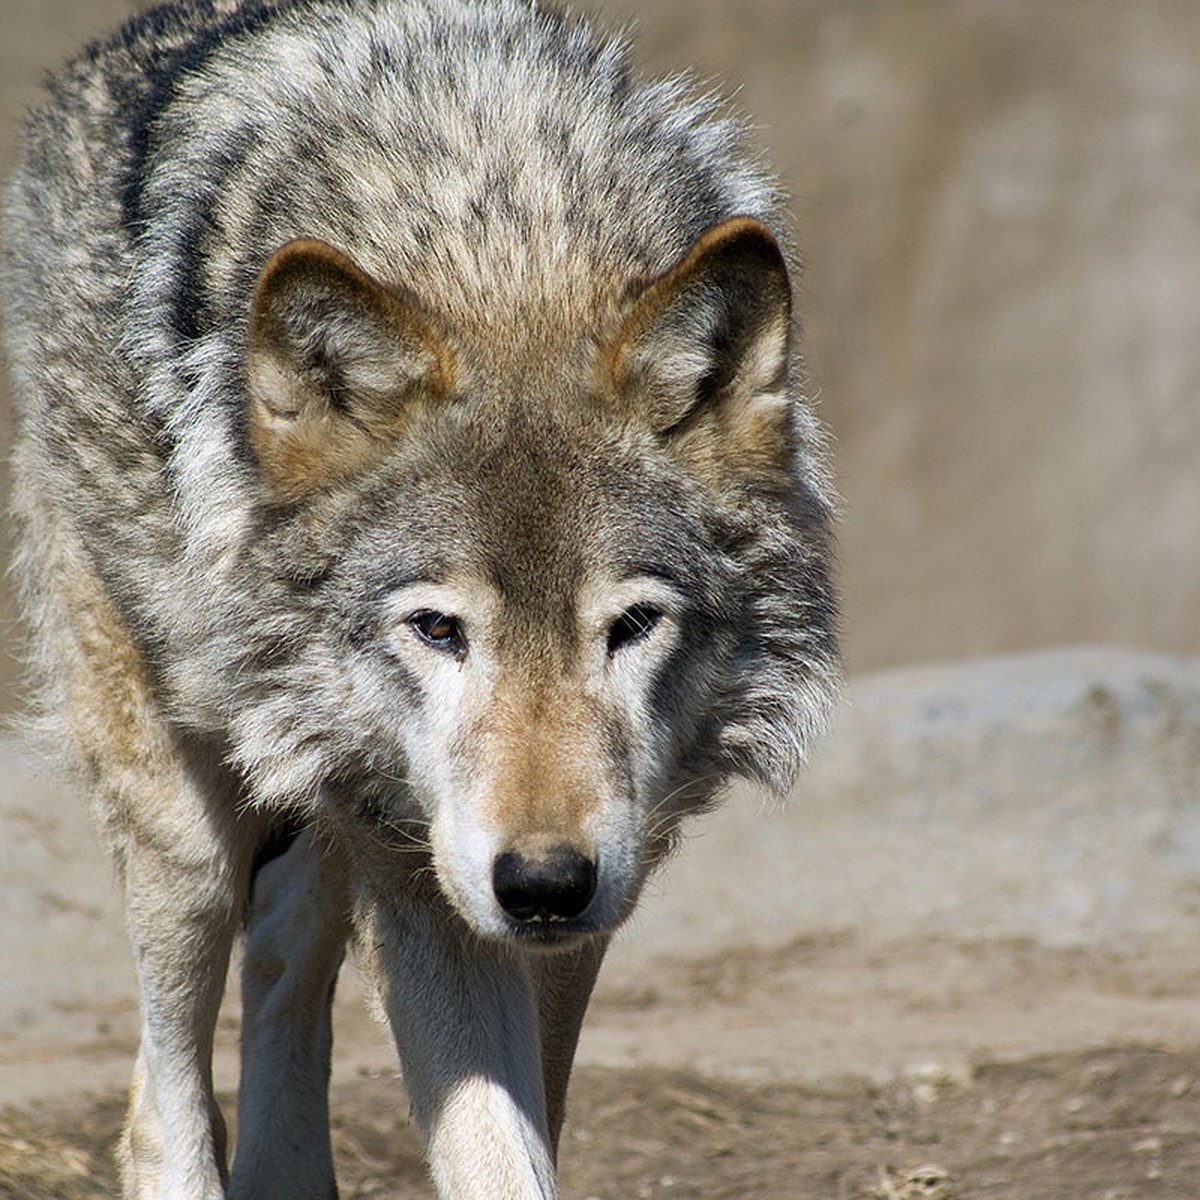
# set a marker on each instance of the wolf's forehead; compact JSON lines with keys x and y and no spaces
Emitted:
{"x":533,"y":507}
{"x":550,"y":511}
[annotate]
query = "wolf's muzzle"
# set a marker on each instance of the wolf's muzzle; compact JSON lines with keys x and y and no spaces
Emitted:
{"x":555,"y":886}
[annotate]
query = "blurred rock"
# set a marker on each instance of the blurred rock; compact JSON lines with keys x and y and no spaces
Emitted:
{"x":1053,"y":796}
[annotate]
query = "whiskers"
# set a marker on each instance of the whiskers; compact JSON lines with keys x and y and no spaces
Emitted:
{"x":388,"y":816}
{"x":662,"y":819}
{"x":408,"y":835}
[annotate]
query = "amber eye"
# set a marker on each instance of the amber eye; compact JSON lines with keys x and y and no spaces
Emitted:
{"x":632,"y":625}
{"x":439,"y":631}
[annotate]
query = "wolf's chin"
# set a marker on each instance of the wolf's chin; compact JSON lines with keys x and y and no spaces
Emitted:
{"x":537,"y":936}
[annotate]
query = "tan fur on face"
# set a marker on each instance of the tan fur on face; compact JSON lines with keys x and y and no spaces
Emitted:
{"x":546,"y":762}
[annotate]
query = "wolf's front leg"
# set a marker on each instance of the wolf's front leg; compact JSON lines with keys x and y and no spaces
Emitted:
{"x":564,"y":986}
{"x":297,"y":930}
{"x":184,"y":863}
{"x":464,"y":1014}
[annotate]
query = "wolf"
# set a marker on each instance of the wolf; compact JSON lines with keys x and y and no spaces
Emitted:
{"x":419,"y":515}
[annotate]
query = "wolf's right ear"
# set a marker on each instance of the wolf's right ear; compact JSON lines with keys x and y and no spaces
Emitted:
{"x":337,"y":365}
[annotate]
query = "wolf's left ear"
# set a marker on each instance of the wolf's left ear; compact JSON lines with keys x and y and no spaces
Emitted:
{"x":337,"y":366}
{"x":702,"y":355}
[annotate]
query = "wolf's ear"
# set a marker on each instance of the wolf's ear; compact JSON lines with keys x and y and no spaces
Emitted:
{"x":702,"y":356}
{"x":337,"y":365}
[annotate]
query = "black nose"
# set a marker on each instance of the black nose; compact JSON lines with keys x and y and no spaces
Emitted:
{"x":554,"y":886}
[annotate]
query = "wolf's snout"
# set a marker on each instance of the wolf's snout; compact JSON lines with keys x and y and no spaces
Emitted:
{"x":555,"y":886}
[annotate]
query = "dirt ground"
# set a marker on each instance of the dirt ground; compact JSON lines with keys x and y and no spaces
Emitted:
{"x":1104,"y":1116}
{"x":1111,"y":1124}
{"x":1110,"y":1121}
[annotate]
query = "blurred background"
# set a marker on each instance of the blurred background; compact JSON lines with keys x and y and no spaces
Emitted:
{"x":998,"y":203}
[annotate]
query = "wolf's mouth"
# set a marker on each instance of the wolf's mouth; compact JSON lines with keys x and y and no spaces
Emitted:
{"x":553,"y":934}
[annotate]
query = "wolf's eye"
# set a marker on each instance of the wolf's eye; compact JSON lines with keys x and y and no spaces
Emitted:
{"x":632,"y":625}
{"x":439,"y":631}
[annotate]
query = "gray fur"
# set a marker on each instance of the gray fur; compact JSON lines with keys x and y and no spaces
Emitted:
{"x":503,"y":168}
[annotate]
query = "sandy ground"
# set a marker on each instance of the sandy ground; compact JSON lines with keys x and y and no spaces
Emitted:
{"x":1113,"y":1122}
{"x":875,"y":992}
{"x":825,"y":1070}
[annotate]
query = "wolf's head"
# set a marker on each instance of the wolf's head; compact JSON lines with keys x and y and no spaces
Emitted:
{"x":525,"y":611}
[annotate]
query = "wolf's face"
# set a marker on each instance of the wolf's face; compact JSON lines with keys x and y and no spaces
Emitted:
{"x":542,"y":656}
{"x":525,"y":627}
{"x":553,"y":614}
{"x":533,"y":744}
